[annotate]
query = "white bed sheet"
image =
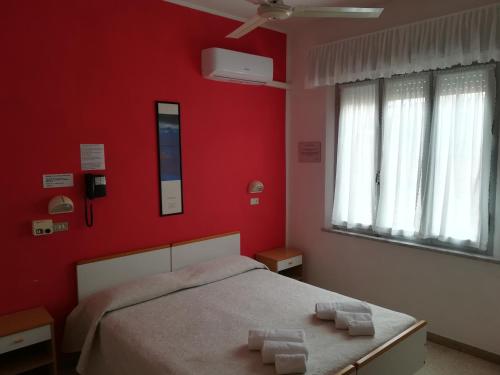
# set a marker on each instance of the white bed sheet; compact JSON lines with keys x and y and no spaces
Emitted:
{"x":204,"y":330}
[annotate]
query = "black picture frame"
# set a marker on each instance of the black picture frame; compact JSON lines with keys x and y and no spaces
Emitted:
{"x":168,"y":130}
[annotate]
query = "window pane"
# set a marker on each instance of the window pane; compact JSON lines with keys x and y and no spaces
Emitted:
{"x":457,"y":197}
{"x":355,"y":189}
{"x":405,"y":122}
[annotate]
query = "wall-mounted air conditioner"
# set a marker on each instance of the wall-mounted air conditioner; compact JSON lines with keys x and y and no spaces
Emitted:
{"x":225,"y":65}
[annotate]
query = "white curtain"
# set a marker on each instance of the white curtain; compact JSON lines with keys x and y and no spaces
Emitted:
{"x":459,"y":172}
{"x":355,"y":190}
{"x":404,"y":126}
{"x":460,"y":38}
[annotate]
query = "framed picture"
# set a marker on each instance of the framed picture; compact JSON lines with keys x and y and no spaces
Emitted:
{"x":168,"y":119}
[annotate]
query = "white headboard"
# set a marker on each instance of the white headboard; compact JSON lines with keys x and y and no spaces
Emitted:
{"x":101,"y":273}
{"x":200,"y":250}
{"x":97,"y":274}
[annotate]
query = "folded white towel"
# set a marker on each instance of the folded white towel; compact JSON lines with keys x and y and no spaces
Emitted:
{"x":256,"y":337}
{"x":271,"y":348}
{"x":328,"y":310}
{"x":290,"y":363}
{"x":343,"y":318}
{"x":325,"y":311}
{"x":361,"y":327}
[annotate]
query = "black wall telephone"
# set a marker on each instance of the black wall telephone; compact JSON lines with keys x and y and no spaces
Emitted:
{"x":95,"y":187}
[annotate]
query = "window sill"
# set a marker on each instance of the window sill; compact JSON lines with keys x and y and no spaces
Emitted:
{"x":434,"y":249}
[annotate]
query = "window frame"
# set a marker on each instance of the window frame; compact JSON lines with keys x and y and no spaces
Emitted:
{"x":427,"y":242}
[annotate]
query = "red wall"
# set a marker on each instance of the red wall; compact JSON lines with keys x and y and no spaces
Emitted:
{"x":89,"y":71}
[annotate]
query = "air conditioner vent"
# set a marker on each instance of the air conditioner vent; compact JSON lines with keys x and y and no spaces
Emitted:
{"x":238,"y":67}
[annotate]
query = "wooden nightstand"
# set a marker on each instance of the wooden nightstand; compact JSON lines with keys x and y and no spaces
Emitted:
{"x":27,"y":342}
{"x":287,"y":262}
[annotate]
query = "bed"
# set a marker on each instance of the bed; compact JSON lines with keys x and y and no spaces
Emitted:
{"x":195,"y":319}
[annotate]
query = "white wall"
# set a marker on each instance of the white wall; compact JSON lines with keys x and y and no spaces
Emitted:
{"x":459,"y":297}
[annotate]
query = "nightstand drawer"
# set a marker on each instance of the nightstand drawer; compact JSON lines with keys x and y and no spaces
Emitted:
{"x":25,"y":338}
{"x":290,"y":262}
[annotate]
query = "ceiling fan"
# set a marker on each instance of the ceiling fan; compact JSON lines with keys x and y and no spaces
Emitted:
{"x":271,"y":10}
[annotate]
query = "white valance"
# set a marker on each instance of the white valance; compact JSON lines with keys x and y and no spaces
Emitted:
{"x":460,"y":38}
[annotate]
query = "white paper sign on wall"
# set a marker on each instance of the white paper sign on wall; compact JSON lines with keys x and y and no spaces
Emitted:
{"x":57,"y":180}
{"x":92,"y":157}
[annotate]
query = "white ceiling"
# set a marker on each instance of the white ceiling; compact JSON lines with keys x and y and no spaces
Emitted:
{"x":396,"y":11}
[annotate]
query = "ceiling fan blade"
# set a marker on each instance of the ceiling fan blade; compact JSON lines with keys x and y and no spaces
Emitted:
{"x":337,"y":12}
{"x":248,"y":26}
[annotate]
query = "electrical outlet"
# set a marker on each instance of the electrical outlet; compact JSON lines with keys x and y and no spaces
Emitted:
{"x":254,"y":201}
{"x":42,"y":227}
{"x":61,"y":226}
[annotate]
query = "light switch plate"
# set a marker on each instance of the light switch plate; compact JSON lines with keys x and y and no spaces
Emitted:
{"x":61,"y":226}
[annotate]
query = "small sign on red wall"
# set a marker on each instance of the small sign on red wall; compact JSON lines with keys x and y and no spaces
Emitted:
{"x":57,"y":180}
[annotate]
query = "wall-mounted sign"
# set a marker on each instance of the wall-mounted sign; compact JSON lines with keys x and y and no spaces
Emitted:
{"x":310,"y":152}
{"x":92,"y":157}
{"x":57,"y":180}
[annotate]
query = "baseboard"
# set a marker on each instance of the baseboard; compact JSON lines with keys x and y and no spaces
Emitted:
{"x":472,"y":350}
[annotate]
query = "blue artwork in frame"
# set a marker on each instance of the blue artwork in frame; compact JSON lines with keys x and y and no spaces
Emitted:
{"x":169,"y":157}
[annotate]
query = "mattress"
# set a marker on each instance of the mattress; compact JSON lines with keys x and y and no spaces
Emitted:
{"x":200,"y":326}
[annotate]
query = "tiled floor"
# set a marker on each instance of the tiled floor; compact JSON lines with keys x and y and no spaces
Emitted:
{"x":444,"y":361}
{"x":440,"y":361}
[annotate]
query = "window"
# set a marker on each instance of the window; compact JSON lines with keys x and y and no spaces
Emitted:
{"x":355,"y":190}
{"x":404,"y":127}
{"x":417,"y":163}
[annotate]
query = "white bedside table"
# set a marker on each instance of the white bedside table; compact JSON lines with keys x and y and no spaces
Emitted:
{"x":27,"y":342}
{"x":285,"y":261}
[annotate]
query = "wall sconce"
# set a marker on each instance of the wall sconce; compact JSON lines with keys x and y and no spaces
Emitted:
{"x":60,"y":204}
{"x":255,"y":187}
